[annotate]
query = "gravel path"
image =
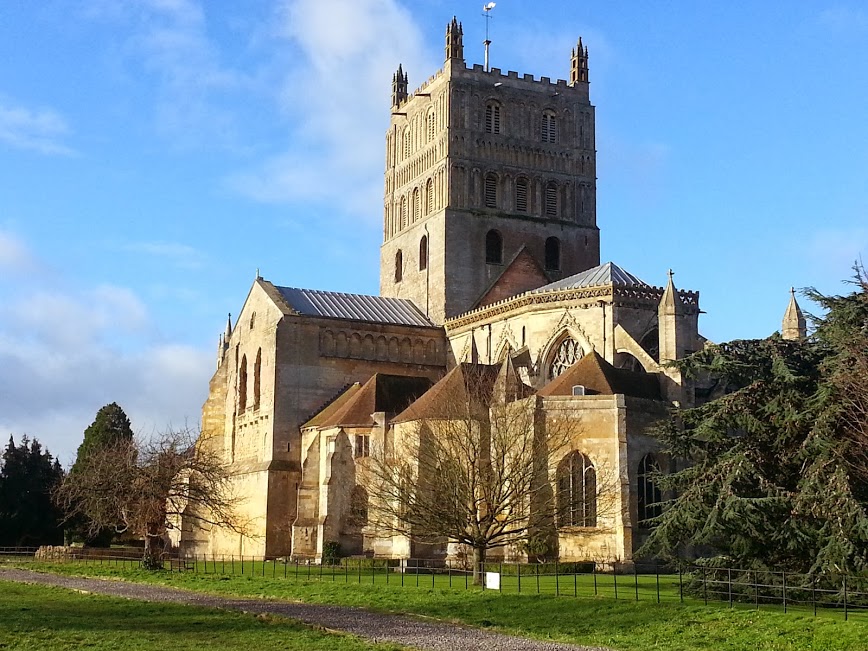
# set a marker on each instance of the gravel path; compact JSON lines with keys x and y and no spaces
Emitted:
{"x":377,"y":627}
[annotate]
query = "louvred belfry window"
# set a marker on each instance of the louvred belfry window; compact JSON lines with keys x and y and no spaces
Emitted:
{"x":521,"y":195}
{"x":491,"y":191}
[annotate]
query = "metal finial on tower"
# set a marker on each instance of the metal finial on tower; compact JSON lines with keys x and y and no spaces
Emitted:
{"x":487,"y":13}
{"x":258,"y":276}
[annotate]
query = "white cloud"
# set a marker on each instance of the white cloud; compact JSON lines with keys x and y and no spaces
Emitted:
{"x":41,"y":130}
{"x":336,"y":95}
{"x":64,"y":353}
{"x":15,"y":257}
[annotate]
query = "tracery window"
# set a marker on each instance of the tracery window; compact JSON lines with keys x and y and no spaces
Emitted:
{"x":648,"y":493}
{"x":568,"y":353}
{"x":577,"y":491}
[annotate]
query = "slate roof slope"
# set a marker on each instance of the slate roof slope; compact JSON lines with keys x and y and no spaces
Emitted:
{"x":381,"y":393}
{"x":606,"y":274}
{"x":467,"y":383}
{"x":599,"y":377}
{"x":355,"y":307}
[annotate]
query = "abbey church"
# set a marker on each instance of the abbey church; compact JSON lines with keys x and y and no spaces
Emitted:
{"x":490,"y":261}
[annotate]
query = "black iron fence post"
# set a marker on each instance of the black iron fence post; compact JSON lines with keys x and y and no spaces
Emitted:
{"x":500,"y":580}
{"x":519,"y":578}
{"x":594,"y":572}
{"x":845,"y":599}
{"x":615,"y":578}
{"x":657,"y":577}
{"x":704,"y":587}
{"x":636,"y":579}
{"x":537,"y":579}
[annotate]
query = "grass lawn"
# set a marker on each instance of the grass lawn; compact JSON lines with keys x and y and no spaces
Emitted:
{"x":625,"y":625}
{"x":36,"y":617}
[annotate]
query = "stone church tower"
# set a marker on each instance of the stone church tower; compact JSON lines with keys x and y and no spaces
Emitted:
{"x":490,"y":176}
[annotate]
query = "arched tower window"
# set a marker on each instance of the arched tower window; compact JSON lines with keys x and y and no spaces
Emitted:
{"x":417,"y":208}
{"x":257,"y":371}
{"x":423,"y":253}
{"x":577,"y":491}
{"x":491,"y":191}
{"x":568,"y":353}
{"x":648,"y":494}
{"x":406,"y":143}
{"x":399,"y":266}
{"x":403,"y":213}
{"x":429,"y":196}
{"x":492,"y":118}
{"x":521,"y":184}
{"x":549,"y":127}
{"x":551,"y":199}
{"x":242,"y":384}
{"x":493,"y":247}
{"x":252,"y":320}
{"x":553,"y":254}
{"x":431,"y":125}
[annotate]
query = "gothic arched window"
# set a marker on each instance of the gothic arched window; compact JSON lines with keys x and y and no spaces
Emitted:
{"x":648,"y":494}
{"x":492,"y":118}
{"x":493,"y":247}
{"x":399,"y":266}
{"x":406,"y":143}
{"x":553,"y":254}
{"x":257,"y":371}
{"x":521,"y":184}
{"x":423,"y":253}
{"x":568,"y":353}
{"x":242,"y":384}
{"x":403,"y":213}
{"x":551,"y":199}
{"x":577,"y":491}
{"x":417,"y":207}
{"x":491,"y":191}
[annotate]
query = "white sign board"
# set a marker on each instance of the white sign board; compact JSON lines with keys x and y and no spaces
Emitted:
{"x":492,"y":580}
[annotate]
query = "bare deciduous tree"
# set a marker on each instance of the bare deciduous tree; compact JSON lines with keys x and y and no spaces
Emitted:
{"x":145,"y":487}
{"x":476,"y":467}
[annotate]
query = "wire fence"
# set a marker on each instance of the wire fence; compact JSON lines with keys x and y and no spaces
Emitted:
{"x":655,"y":582}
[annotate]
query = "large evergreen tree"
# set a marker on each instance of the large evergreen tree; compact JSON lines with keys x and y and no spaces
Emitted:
{"x":28,"y":476}
{"x":111,"y":427}
{"x":776,"y":473}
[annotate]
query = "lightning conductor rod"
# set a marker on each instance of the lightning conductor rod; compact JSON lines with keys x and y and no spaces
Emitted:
{"x":487,"y":9}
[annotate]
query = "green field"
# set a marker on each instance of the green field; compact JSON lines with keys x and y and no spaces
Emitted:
{"x":624,"y":624}
{"x":36,"y":617}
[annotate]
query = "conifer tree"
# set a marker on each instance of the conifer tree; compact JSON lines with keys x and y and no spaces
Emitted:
{"x":28,"y":476}
{"x":775,"y":472}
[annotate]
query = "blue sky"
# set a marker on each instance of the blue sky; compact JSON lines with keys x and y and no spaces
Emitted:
{"x":155,"y":153}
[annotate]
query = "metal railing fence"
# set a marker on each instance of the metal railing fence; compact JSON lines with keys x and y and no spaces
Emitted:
{"x":735,"y":587}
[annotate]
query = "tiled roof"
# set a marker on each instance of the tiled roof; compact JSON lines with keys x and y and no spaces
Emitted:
{"x":467,"y":386}
{"x":355,"y":307}
{"x":382,"y":393}
{"x":599,"y":377}
{"x":605,"y":274}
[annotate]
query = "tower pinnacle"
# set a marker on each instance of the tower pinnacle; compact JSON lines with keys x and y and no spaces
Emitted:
{"x":399,"y":87}
{"x":579,"y":64}
{"x":794,"y":325}
{"x":455,"y":41}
